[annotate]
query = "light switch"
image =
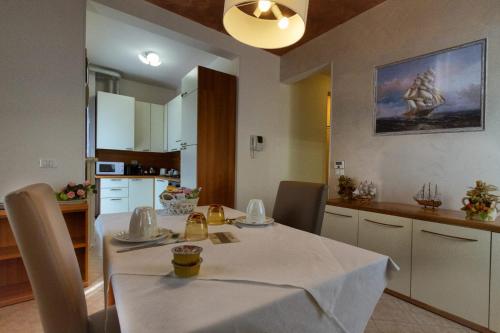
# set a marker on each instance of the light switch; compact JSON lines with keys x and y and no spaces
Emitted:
{"x":48,"y":163}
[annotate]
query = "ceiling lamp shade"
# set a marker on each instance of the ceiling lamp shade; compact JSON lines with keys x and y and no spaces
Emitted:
{"x":266,"y":24}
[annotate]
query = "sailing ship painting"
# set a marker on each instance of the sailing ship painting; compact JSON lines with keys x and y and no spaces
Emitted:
{"x":437,"y":92}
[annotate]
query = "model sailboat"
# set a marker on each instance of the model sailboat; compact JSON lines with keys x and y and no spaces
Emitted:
{"x":423,"y":97}
{"x":427,"y":198}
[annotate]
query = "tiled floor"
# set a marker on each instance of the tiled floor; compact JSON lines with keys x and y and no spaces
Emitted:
{"x":390,"y":316}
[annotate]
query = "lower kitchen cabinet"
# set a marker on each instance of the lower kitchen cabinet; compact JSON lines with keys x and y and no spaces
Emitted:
{"x":114,"y":205}
{"x":140,"y":192}
{"x":451,"y":269}
{"x":340,"y":224}
{"x":495,"y":283}
{"x":391,"y":236}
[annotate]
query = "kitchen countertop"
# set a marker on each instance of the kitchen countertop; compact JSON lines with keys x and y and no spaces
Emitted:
{"x":446,"y":216}
{"x":175,"y":179}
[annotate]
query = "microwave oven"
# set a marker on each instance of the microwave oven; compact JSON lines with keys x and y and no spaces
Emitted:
{"x":110,"y":168}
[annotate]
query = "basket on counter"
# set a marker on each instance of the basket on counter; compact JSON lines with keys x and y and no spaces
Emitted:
{"x":179,"y":201}
{"x":179,"y":206}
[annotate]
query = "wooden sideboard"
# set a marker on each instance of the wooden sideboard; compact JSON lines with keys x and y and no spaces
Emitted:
{"x":14,"y":283}
{"x":449,"y":265}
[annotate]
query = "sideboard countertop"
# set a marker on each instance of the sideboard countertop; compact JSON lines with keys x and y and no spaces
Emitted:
{"x":446,"y":216}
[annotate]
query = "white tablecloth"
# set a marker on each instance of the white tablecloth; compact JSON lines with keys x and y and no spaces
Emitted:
{"x":277,"y":279}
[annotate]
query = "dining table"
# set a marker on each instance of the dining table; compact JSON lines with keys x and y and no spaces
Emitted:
{"x":273,"y":279}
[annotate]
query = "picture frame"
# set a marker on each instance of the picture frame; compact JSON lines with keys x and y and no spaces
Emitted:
{"x":437,"y":92}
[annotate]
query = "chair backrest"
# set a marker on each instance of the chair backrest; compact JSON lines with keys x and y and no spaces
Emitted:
{"x":301,"y":205}
{"x":48,"y":255}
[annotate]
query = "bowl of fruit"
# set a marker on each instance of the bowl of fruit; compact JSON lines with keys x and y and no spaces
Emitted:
{"x":179,"y":200}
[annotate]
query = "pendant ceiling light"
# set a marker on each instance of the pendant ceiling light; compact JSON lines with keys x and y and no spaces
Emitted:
{"x":266,"y":24}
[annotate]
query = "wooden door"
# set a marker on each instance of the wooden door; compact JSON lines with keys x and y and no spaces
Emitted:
{"x":216,"y":136}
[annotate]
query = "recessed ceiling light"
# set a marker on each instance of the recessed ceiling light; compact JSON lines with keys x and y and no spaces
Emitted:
{"x":150,"y":58}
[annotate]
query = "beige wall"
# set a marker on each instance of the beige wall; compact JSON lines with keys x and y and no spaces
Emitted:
{"x":146,"y":92}
{"x":308,"y":101}
{"x":261,"y":107}
{"x":140,"y":91}
{"x":41,"y":92}
{"x":394,"y":30}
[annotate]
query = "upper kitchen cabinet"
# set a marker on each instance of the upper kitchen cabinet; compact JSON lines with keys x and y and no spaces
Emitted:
{"x":115,"y":121}
{"x":209,"y":133}
{"x":142,"y":126}
{"x":190,"y":82}
{"x":165,"y":127}
{"x":174,"y":119}
{"x":189,"y":122}
{"x":157,"y":121}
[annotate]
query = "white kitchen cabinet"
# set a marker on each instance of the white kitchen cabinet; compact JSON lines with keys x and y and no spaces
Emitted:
{"x":142,"y":126}
{"x":495,"y":283}
{"x":189,"y":121}
{"x":114,"y":205}
{"x":165,"y":128}
{"x":140,"y":193}
{"x":114,"y":192}
{"x":114,"y":182}
{"x":188,"y":166}
{"x":115,"y":121}
{"x":189,"y":82}
{"x":391,"y":236}
{"x":160,"y":186}
{"x":157,"y":122}
{"x":451,"y":269}
{"x":340,"y":224}
{"x":174,"y":123}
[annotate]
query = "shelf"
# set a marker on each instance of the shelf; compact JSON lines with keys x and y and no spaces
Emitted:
{"x":15,"y":293}
{"x":12,"y":252}
{"x":65,"y":208}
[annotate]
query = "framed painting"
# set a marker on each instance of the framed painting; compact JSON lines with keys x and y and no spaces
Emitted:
{"x":437,"y":92}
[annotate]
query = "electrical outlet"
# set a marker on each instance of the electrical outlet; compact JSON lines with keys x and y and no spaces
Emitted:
{"x":48,"y":163}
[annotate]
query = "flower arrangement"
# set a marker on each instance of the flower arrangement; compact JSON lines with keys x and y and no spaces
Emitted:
{"x":346,"y":187}
{"x":480,"y":204}
{"x":73,"y":191}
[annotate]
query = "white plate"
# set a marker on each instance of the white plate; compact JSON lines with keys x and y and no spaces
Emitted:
{"x":122,"y":236}
{"x":243,"y":220}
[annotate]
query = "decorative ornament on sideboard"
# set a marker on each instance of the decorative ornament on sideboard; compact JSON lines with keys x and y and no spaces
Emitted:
{"x":427,"y":197}
{"x":480,"y":204}
{"x":365,"y":191}
{"x":346,"y":187}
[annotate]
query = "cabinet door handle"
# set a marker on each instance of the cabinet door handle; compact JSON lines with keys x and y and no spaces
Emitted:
{"x":115,"y":180}
{"x":145,"y":150}
{"x":116,"y":199}
{"x":178,"y":140}
{"x":449,"y":236}
{"x":337,"y":214}
{"x":115,"y":189}
{"x":385,"y":224}
{"x":128,"y":148}
{"x":135,"y":179}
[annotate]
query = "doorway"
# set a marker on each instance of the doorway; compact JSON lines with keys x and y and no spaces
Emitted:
{"x":310,"y":108}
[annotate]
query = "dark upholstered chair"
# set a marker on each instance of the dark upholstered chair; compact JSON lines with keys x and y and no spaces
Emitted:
{"x":301,"y":205}
{"x":50,"y":260}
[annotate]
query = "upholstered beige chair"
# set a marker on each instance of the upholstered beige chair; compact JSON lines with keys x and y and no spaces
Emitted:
{"x":301,"y":205}
{"x":50,"y":260}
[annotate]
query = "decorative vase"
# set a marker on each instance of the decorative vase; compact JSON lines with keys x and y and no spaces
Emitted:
{"x":491,"y":216}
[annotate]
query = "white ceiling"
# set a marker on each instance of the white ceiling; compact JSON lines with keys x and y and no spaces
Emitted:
{"x":115,"y":44}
